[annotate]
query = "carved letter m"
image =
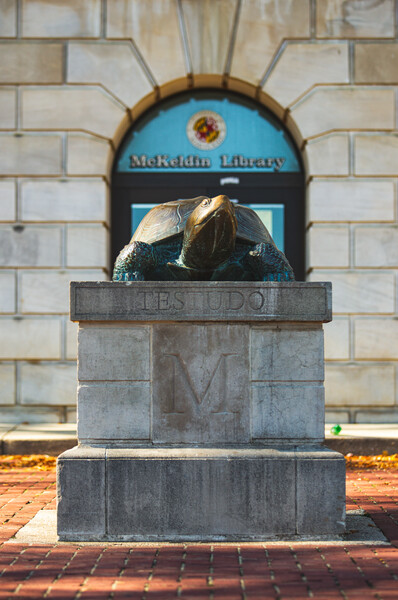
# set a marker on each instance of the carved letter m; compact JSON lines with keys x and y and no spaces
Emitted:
{"x":181,"y":374}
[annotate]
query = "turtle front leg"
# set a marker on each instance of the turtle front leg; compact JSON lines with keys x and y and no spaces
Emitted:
{"x":134,"y":262}
{"x":267,"y":263}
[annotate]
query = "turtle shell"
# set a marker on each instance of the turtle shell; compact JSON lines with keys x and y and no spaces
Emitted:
{"x":169,"y":219}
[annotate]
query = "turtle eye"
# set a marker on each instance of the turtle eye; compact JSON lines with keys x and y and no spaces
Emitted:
{"x":206,"y":202}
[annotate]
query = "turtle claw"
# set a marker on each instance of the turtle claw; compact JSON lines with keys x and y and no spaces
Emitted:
{"x":128,"y":277}
{"x":267,"y":263}
{"x":133,"y":261}
{"x":284,"y":276}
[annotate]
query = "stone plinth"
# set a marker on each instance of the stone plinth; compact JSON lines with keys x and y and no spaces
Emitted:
{"x":200,"y":414}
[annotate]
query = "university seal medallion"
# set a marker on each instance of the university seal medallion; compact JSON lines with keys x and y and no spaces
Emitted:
{"x":206,"y":130}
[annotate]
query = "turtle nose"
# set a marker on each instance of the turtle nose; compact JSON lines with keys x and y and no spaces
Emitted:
{"x":223,"y":203}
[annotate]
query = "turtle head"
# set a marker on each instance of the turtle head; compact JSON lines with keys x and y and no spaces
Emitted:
{"x":209,"y":234}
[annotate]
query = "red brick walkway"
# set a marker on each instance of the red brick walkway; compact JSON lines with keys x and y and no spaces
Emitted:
{"x":255,"y":571}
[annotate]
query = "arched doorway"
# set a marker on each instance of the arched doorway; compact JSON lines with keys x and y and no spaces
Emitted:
{"x":209,"y":142}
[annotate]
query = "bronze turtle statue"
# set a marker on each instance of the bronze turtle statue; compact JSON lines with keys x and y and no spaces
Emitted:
{"x":205,"y":239}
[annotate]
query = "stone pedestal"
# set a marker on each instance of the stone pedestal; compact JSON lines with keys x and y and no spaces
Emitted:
{"x":200,"y":414}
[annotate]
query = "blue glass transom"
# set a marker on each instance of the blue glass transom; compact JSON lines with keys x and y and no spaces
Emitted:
{"x":202,"y":132}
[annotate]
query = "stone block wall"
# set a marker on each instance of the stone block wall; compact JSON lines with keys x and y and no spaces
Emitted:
{"x":75,"y":74}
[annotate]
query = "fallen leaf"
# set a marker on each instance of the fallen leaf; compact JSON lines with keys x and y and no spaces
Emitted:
{"x":380,"y":461}
{"x":39,"y":462}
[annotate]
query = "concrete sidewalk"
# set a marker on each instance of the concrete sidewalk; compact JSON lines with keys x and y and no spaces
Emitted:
{"x":365,"y":439}
{"x":38,"y":438}
{"x":52,"y":439}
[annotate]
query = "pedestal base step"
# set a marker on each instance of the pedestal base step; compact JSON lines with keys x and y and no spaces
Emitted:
{"x":200,"y":494}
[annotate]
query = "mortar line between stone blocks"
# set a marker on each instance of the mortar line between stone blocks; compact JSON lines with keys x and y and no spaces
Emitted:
{"x":272,"y":64}
{"x":396,"y":19}
{"x":295,"y":491}
{"x":351,"y":155}
{"x":63,"y":337}
{"x":144,"y":66}
{"x":106,"y":491}
{"x":351,"y":340}
{"x":396,"y":296}
{"x":64,"y":246}
{"x":396,"y":200}
{"x":64,"y":149}
{"x":351,"y":63}
{"x":184,"y":38}
{"x":288,"y":381}
{"x":396,"y":389}
{"x":15,"y":390}
{"x":100,"y":382}
{"x":313,"y":19}
{"x":103,"y":18}
{"x":18,"y":200}
{"x":18,"y":108}
{"x":65,"y":62}
{"x":231,"y":46}
{"x":16,"y":290}
{"x":18,"y":17}
{"x":18,"y":285}
{"x":351,"y":246}
{"x":17,"y":382}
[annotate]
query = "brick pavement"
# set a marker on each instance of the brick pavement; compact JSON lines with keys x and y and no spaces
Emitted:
{"x":219,"y":572}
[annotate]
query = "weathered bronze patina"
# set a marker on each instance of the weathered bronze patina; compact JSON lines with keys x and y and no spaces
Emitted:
{"x":206,"y":239}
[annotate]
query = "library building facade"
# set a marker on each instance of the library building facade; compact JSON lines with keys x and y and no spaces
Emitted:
{"x":110,"y":107}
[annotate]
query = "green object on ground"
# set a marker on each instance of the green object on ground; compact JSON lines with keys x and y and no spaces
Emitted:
{"x":335,"y":429}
